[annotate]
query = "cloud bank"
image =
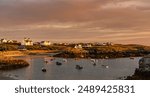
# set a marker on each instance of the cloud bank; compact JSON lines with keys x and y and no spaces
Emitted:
{"x":76,"y":20}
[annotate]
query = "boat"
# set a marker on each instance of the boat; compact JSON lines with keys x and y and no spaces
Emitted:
{"x":93,"y":60}
{"x":64,"y":60}
{"x":58,"y":63}
{"x":79,"y":67}
{"x":43,"y":69}
{"x":105,"y":66}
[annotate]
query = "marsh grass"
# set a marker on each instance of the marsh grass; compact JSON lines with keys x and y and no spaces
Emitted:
{"x":8,"y":63}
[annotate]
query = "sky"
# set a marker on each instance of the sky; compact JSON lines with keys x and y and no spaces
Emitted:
{"x":118,"y":21}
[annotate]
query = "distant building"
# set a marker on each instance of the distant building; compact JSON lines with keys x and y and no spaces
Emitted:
{"x":9,"y":41}
{"x":45,"y":43}
{"x":79,"y":46}
{"x":3,"y":41}
{"x":27,"y":41}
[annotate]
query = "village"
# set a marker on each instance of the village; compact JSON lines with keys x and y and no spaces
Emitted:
{"x":30,"y":42}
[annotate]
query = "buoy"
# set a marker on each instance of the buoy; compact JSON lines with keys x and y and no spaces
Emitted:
{"x":107,"y":67}
{"x":58,"y":63}
{"x":79,"y":67}
{"x":106,"y":57}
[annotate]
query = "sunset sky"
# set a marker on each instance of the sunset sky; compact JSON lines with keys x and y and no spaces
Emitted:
{"x":118,"y":21}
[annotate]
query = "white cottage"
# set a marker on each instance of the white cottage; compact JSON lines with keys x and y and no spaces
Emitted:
{"x":79,"y":46}
{"x":3,"y":41}
{"x":27,"y":41}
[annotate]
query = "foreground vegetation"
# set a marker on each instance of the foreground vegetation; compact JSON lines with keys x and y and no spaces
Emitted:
{"x":8,"y":63}
{"x":112,"y":51}
{"x":95,"y":51}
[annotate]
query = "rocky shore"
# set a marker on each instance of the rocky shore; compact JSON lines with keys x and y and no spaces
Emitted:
{"x":101,"y":52}
{"x":143,"y":72}
{"x":139,"y":75}
{"x":99,"y":55}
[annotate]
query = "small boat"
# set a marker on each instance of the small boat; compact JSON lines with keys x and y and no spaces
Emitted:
{"x":79,"y":67}
{"x":43,"y":69}
{"x":58,"y":63}
{"x":106,"y":57}
{"x":105,"y":66}
{"x":93,"y":60}
{"x":64,"y":60}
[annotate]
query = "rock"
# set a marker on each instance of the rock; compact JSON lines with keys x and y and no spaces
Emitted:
{"x":144,"y":63}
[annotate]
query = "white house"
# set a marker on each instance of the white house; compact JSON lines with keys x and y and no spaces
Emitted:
{"x":9,"y":41}
{"x":45,"y":43}
{"x":79,"y":46}
{"x":3,"y":41}
{"x":27,"y":41}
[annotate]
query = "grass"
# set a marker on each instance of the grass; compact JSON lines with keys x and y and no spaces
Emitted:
{"x":9,"y":63}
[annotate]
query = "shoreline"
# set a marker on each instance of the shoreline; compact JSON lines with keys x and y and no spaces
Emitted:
{"x":101,"y":56}
{"x":24,"y":53}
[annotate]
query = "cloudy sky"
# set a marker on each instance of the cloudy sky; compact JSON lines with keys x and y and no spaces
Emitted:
{"x":118,"y":21}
